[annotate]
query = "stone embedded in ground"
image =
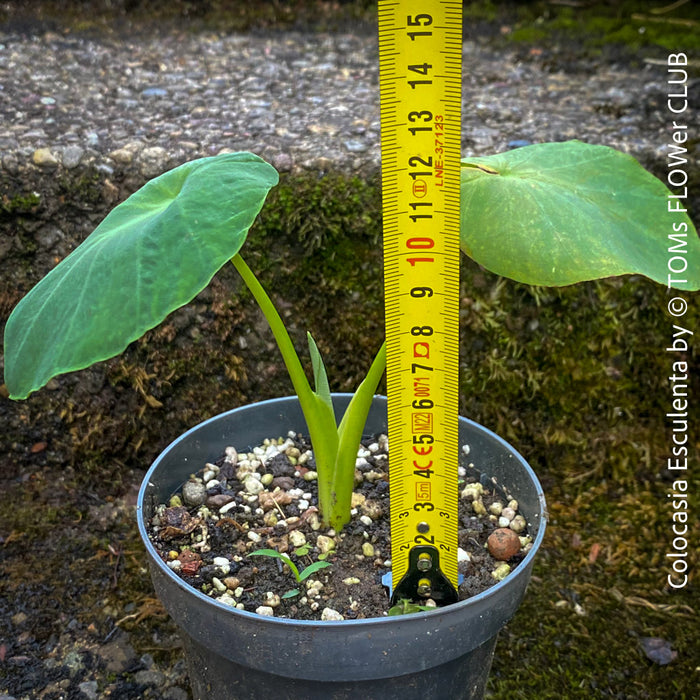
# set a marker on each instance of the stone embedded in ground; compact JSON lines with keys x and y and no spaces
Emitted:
{"x":44,"y":158}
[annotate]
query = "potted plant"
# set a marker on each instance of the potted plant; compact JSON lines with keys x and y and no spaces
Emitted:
{"x":547,"y":214}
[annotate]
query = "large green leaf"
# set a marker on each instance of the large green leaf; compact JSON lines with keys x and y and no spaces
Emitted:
{"x":152,"y":254}
{"x":558,"y":213}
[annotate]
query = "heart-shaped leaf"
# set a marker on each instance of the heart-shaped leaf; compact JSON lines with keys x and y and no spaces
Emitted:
{"x":152,"y":254}
{"x":558,"y":213}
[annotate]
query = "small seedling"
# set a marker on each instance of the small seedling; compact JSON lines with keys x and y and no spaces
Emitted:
{"x":299,"y":576}
{"x":407,"y":607}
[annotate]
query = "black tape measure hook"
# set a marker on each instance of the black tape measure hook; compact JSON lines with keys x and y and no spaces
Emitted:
{"x":424,"y":579}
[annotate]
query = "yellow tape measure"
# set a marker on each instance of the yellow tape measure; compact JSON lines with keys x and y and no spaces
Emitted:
{"x":420,"y":74}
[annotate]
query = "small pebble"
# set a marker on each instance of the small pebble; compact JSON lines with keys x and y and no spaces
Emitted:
{"x":496,"y":508}
{"x":270,"y":501}
{"x":87,"y":688}
{"x":44,"y":158}
{"x":357,"y":499}
{"x":368,"y":549}
{"x":372,"y":509}
{"x":463,"y":555}
{"x":225,"y":509}
{"x":124,"y":155}
{"x":219,"y":500}
{"x":314,"y":522}
{"x":325,"y":544}
{"x":501,"y":572}
{"x":472,"y":491}
{"x":329,"y":615}
{"x":149,"y":677}
{"x":72,"y":155}
{"x":243,"y":469}
{"x":284,"y":483}
{"x":478,"y":507}
{"x":253,"y":486}
{"x":265,"y":611}
{"x":374,"y":475}
{"x":313,"y":588}
{"x":272,"y":599}
{"x":194,"y":493}
{"x":503,"y":544}
{"x":508,"y":513}
{"x":222,"y":564}
{"x":297,"y":538}
{"x":518,"y":524}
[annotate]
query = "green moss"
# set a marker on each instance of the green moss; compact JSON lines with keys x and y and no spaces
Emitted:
{"x":597,"y":25}
{"x":529,"y":34}
{"x":317,"y":249}
{"x":20,"y":203}
{"x":84,"y":189}
{"x":487,"y":11}
{"x":135,"y":16}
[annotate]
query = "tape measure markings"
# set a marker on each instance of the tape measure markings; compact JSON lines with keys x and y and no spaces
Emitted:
{"x":420,"y":44}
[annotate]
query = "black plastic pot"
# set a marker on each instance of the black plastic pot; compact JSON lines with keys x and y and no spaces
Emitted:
{"x":237,"y":655}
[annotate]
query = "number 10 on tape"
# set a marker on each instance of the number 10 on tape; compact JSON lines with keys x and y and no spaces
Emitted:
{"x":420,"y":60}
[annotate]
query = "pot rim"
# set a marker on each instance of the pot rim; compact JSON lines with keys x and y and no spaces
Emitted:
{"x":428,"y":615}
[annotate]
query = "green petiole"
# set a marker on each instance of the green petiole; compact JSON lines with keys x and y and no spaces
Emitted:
{"x":335,"y":446}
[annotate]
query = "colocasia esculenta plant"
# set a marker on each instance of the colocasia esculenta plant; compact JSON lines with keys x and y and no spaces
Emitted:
{"x":548,"y":214}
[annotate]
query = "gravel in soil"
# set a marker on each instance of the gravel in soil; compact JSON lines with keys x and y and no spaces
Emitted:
{"x":267,"y":500}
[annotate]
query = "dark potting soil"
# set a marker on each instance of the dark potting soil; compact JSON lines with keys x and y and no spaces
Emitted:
{"x":267,"y":499}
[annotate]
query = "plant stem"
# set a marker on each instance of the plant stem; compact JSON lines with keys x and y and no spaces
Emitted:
{"x":335,"y":447}
{"x":284,"y":342}
{"x":319,"y":416}
{"x":349,"y":437}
